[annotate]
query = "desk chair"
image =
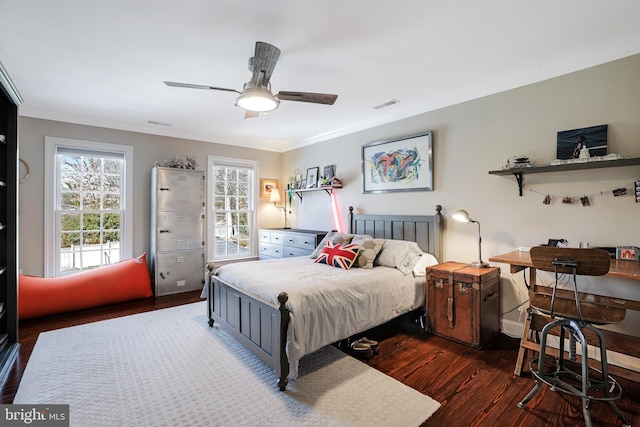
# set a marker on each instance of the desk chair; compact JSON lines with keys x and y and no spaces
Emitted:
{"x":572,"y":315}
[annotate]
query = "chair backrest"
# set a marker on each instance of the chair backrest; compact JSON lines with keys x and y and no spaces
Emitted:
{"x":590,"y":262}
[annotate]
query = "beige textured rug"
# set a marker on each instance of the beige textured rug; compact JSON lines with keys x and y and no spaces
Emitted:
{"x":168,"y":368}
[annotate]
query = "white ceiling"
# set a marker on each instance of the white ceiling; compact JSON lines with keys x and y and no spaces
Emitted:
{"x":102,"y":63}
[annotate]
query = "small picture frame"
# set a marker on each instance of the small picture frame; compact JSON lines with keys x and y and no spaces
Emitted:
{"x":329,"y":172}
{"x":312,"y":177}
{"x":266,"y":185}
{"x":629,"y":253}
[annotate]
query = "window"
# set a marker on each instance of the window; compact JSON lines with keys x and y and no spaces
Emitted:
{"x":231,"y":200}
{"x":87,"y":194}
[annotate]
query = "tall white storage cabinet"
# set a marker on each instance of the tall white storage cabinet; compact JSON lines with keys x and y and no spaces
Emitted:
{"x":177,"y":230}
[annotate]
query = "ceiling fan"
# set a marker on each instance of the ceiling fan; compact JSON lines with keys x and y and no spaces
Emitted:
{"x":256,"y":95}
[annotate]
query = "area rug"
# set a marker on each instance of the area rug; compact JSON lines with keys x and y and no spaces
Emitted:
{"x":169,"y":368}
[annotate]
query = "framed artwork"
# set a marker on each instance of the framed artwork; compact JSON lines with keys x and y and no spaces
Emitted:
{"x":403,"y":164}
{"x":582,"y":143}
{"x":329,"y":172}
{"x":266,"y":185}
{"x":312,"y":177}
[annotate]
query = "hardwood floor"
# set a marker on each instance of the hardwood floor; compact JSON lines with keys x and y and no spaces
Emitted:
{"x":474,"y":387}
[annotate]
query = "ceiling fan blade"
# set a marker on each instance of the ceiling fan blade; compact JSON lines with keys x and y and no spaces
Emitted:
{"x":192,"y":86}
{"x":264,"y":61}
{"x":251,"y":114}
{"x":315,"y":98}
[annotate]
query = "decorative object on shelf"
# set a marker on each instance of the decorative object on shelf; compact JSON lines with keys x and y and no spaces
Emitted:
{"x":275,"y":198}
{"x":266,"y":186}
{"x":520,"y":162}
{"x":329,"y":173}
{"x":463,"y":216}
{"x":188,"y":162}
{"x":402,"y":164}
{"x":312,"y":177}
{"x":336,"y":183}
{"x":582,"y":143}
{"x":629,"y":253}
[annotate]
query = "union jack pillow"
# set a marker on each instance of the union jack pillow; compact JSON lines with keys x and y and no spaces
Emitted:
{"x":338,"y":255}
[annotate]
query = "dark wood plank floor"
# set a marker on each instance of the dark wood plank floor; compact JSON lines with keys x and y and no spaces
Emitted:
{"x":475,"y":387}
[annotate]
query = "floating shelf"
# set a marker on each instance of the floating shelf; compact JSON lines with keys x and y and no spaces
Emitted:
{"x":518,"y":172}
{"x":329,"y":190}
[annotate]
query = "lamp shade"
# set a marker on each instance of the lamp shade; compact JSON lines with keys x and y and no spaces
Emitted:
{"x":257,"y":99}
{"x":275,"y":195}
{"x":461,"y":216}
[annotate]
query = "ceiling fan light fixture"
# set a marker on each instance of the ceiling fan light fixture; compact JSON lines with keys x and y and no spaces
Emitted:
{"x":257,"y":99}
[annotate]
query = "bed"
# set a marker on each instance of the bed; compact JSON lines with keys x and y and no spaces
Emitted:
{"x":283,"y":309}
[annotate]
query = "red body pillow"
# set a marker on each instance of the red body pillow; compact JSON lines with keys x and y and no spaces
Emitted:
{"x":123,"y":281}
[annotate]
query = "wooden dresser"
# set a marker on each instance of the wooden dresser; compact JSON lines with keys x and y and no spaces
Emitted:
{"x":463,"y":303}
{"x":288,"y":242}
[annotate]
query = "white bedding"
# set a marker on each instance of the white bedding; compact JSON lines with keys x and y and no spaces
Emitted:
{"x":327,"y":304}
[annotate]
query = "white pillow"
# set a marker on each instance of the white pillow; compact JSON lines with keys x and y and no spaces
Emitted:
{"x":399,"y":254}
{"x":426,"y":260}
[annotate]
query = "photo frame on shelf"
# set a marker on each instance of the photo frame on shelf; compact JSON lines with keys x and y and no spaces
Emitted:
{"x":402,"y":164}
{"x":312,"y":177}
{"x":582,"y":143}
{"x":266,"y":185}
{"x":329,"y":172}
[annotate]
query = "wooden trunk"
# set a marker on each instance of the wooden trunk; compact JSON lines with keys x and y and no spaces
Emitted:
{"x":463,"y":303}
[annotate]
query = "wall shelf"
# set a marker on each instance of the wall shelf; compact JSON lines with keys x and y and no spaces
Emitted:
{"x":299,"y":191}
{"x":519,"y":172}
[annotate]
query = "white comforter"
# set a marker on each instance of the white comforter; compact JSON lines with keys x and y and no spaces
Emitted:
{"x":327,"y":304}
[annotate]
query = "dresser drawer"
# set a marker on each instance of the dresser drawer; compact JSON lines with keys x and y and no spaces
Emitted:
{"x":264,"y":236}
{"x":290,"y":251}
{"x":277,"y":237}
{"x":270,"y":250}
{"x":300,"y":240}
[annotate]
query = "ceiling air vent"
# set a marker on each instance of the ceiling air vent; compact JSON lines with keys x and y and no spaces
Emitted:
{"x":386,"y":104}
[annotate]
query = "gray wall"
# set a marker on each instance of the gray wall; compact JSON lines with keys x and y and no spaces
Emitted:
{"x":146,"y":150}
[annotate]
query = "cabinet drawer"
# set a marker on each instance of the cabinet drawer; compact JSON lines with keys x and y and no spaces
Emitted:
{"x":264,"y":236}
{"x":290,"y":251}
{"x":276,"y":237}
{"x":270,"y":250}
{"x":300,"y":240}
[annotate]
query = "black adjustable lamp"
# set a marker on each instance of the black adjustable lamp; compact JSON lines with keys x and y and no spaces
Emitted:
{"x":275,"y":198}
{"x":463,"y":216}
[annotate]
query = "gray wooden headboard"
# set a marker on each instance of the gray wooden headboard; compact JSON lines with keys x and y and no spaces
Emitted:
{"x":426,"y":230}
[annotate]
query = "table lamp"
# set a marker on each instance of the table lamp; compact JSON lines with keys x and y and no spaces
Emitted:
{"x":275,"y":198}
{"x":463,"y":216}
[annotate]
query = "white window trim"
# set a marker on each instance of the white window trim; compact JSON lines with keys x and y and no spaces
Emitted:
{"x":211,"y":160}
{"x":50,"y":179}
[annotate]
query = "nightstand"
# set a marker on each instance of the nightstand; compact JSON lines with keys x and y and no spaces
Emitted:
{"x":463,"y":303}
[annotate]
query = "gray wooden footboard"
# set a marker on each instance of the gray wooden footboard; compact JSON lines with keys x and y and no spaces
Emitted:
{"x":258,"y":326}
{"x":262,"y":328}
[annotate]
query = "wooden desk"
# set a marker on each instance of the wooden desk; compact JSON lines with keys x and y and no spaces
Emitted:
{"x":617,"y":342}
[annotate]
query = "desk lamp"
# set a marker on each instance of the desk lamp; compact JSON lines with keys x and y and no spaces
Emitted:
{"x":275,"y":198}
{"x":463,"y":216}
